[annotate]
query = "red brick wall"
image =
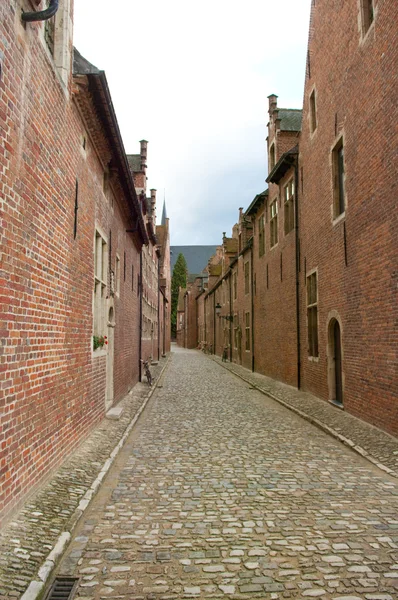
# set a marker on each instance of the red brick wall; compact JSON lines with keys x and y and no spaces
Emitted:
{"x":356,"y":92}
{"x":52,"y":388}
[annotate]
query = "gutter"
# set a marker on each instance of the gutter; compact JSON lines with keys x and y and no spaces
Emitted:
{"x":296,"y":183}
{"x":41,"y":15}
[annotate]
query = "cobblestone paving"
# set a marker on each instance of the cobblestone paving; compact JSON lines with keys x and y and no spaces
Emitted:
{"x":32,"y":533}
{"x":222,"y":493}
{"x":381,"y":446}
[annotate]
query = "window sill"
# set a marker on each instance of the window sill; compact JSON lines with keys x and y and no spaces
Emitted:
{"x":338,"y":219}
{"x":99,"y":352}
{"x":314,"y":359}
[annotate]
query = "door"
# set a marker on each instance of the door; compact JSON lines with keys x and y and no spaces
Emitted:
{"x":338,"y":363}
{"x":110,"y":359}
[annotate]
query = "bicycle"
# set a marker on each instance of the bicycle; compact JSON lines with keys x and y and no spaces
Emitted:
{"x":147,"y":371}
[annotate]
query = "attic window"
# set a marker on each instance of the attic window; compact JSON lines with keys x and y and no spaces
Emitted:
{"x":367,"y":10}
{"x":313,"y":120}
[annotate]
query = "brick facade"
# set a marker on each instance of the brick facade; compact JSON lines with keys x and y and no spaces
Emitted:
{"x":68,"y":205}
{"x":324,"y":234}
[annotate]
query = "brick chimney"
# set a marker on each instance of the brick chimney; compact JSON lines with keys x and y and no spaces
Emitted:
{"x":143,"y":153}
{"x":153,"y":205}
{"x":273,"y":104}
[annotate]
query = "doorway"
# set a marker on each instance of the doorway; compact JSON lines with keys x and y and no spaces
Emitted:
{"x":335,"y":363}
{"x":110,"y":359}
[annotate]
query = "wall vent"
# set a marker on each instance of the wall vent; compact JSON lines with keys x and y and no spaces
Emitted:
{"x":63,"y":588}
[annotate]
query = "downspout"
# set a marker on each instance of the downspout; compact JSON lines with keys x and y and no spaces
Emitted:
{"x":252,"y":301}
{"x":231,"y":321}
{"x":159,"y":310}
{"x":41,"y":15}
{"x":140,"y":327}
{"x":164,"y":327}
{"x":297,"y":274}
{"x":214,"y":323}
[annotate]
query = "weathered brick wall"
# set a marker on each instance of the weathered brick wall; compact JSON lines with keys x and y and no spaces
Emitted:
{"x":275,"y":321}
{"x":52,"y":387}
{"x":356,"y":92}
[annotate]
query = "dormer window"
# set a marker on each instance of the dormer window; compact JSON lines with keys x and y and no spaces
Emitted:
{"x":271,"y":157}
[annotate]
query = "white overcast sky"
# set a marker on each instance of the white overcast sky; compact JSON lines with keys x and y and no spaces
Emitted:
{"x":193,"y":78}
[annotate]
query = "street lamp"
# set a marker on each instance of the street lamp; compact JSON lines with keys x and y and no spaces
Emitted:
{"x":226,"y":317}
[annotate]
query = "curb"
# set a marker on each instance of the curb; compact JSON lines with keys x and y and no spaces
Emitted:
{"x":36,"y":587}
{"x":344,"y":440}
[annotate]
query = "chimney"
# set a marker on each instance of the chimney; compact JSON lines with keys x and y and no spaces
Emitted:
{"x":143,"y":153}
{"x":153,"y":205}
{"x":273,"y":104}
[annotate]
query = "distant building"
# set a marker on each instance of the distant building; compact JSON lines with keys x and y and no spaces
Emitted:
{"x":196,"y":257}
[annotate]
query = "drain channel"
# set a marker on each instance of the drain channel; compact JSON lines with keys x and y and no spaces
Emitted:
{"x":63,"y":588}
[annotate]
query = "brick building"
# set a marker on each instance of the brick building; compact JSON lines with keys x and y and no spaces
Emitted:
{"x":321,"y":279}
{"x":163,"y":237}
{"x":71,"y":239}
{"x":347,"y":165}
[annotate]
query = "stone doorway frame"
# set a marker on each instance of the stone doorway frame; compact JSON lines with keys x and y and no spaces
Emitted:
{"x":334,"y":317}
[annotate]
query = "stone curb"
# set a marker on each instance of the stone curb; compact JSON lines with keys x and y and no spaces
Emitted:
{"x":344,"y":440}
{"x":35,"y":588}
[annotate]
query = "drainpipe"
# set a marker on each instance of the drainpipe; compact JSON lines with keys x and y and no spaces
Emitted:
{"x":252,"y":301}
{"x":231,"y":323}
{"x":140,"y":327}
{"x":159,"y":310}
{"x":41,"y":15}
{"x":296,"y":189}
{"x":214,"y":323}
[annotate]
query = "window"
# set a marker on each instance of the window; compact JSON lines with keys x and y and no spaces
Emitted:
{"x":117,"y":275}
{"x":313,"y":122}
{"x":247,"y":330}
{"x":235,"y":284}
{"x":100,"y":282}
{"x":312,"y":314}
{"x":261,"y":236}
{"x":273,"y":224}
{"x":49,"y":34}
{"x":247,"y":277}
{"x":236,"y":332}
{"x":289,"y":206}
{"x":338,"y":179}
{"x":271,"y":157}
{"x":367,"y":11}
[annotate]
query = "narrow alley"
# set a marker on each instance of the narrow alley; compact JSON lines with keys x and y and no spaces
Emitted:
{"x":220,"y":492}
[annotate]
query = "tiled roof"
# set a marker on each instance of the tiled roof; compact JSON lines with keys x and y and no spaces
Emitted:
{"x":196,"y":257}
{"x":290,"y":119}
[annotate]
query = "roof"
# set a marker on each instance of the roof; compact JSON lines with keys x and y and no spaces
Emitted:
{"x":285,"y":162}
{"x":97,"y":94}
{"x":196,"y":257}
{"x":164,"y":213}
{"x":134,"y":161}
{"x":256,"y":203}
{"x":290,"y":119}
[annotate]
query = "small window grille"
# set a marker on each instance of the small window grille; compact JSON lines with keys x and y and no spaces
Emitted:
{"x":49,"y":34}
{"x":274,"y":223}
{"x":312,"y":314}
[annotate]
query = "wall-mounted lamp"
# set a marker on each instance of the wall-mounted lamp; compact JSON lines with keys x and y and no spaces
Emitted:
{"x":218,"y":313}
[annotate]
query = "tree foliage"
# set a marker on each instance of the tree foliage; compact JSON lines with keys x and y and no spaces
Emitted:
{"x":178,"y":280}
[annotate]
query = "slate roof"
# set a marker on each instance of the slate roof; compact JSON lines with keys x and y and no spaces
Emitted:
{"x":196,"y":257}
{"x":290,"y":119}
{"x":134,"y":161}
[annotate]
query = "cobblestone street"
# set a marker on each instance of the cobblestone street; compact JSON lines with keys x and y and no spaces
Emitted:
{"x":221,"y":493}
